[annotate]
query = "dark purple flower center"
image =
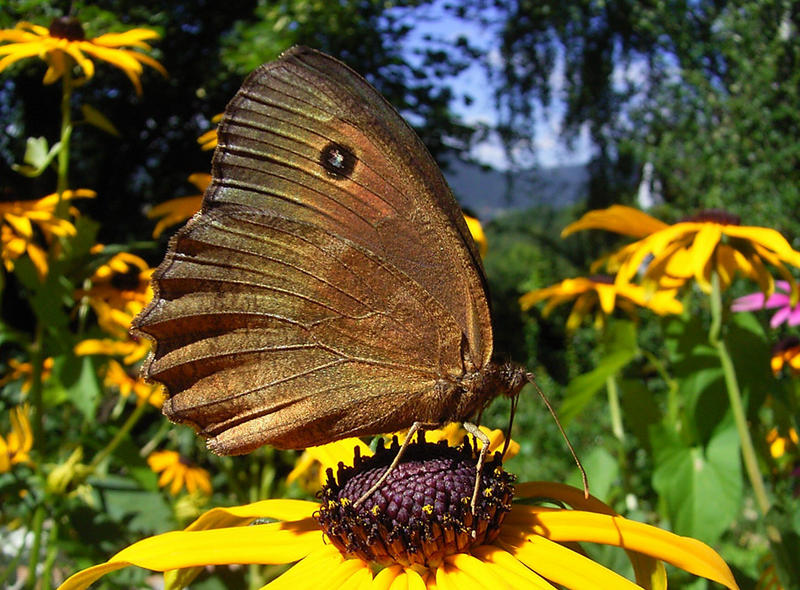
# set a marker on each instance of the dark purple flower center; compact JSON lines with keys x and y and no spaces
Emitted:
{"x":67,"y":27}
{"x":422,"y":512}
{"x":785,"y":344}
{"x":714,"y":216}
{"x":604,"y":279}
{"x":126,"y":281}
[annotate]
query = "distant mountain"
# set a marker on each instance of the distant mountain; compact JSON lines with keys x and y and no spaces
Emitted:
{"x":489,"y":193}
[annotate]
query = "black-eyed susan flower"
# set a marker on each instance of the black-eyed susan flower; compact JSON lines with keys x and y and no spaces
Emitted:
{"x":19,"y":370}
{"x":16,"y":445}
{"x":711,"y":241}
{"x":418,"y":531}
{"x":208,"y":141}
{"x":132,"y":350}
{"x":476,"y":229}
{"x":311,"y":467}
{"x":600,"y":295}
{"x":119,"y":290}
{"x":115,"y":376}
{"x":179,"y":210}
{"x":786,"y":353}
{"x":780,"y":443}
{"x":18,"y":220}
{"x":178,"y":472}
{"x":64,"y":45}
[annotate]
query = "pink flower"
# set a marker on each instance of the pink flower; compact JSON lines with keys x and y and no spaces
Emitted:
{"x":780,"y":300}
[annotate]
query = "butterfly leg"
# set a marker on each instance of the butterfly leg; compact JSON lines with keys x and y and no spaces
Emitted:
{"x":477,"y":433}
{"x":415,"y":427}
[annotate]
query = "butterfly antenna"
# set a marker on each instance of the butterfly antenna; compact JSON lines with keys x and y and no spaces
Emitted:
{"x":546,"y":401}
{"x":514,"y":401}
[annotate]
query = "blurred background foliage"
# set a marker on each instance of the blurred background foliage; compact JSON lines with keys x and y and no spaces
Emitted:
{"x":695,"y":101}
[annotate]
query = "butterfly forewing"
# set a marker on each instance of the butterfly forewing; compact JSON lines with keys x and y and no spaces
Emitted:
{"x":328,"y":285}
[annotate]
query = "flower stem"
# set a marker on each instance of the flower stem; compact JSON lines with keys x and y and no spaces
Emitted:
{"x":614,"y":409}
{"x":735,"y":398}
{"x":62,"y":182}
{"x":120,"y":436}
{"x":673,"y":402}
{"x":33,"y":560}
{"x":37,"y":401}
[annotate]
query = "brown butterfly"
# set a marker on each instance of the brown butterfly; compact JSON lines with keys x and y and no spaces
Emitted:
{"x":329,"y":287}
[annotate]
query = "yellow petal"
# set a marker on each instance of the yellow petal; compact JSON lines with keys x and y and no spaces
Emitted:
{"x":285,"y":510}
{"x":415,"y":581}
{"x":134,"y":37}
{"x":5,"y":460}
{"x":21,"y":426}
{"x":449,"y":577}
{"x":477,"y":570}
{"x":767,"y":237}
{"x":564,"y":566}
{"x":39,"y":259}
{"x":510,"y":568}
{"x":618,"y":219}
{"x":85,"y":63}
{"x":576,"y":525}
{"x":305,"y":573}
{"x":607,"y":294}
{"x":561,"y":492}
{"x":385,"y":578}
{"x":18,"y":52}
{"x":701,"y":251}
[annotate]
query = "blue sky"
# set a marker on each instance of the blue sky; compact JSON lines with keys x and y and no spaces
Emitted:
{"x":550,"y":150}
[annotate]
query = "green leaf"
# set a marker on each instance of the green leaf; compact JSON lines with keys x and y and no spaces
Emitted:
{"x":79,"y":378}
{"x":701,"y":487}
{"x":580,"y":391}
{"x":143,"y":511}
{"x":94,"y":117}
{"x":640,"y":408}
{"x":37,"y":157}
{"x":620,"y":335}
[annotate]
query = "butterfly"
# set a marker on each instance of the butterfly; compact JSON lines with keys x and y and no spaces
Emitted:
{"x":329,"y":286}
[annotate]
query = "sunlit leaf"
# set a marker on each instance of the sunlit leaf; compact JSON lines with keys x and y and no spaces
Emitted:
{"x":99,"y":120}
{"x":37,"y":156}
{"x":689,"y":477}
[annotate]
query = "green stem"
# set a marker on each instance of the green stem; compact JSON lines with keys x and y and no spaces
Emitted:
{"x":33,"y":560}
{"x":735,"y":398}
{"x":62,"y":182}
{"x":614,"y":408}
{"x":120,"y":436}
{"x":673,"y":402}
{"x":52,"y":552}
{"x":35,"y":393}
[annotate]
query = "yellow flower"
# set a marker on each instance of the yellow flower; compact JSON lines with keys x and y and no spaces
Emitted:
{"x":709,"y":241}
{"x":116,"y":376}
{"x":178,"y":472}
{"x":131,"y":349}
{"x":476,"y":229}
{"x":14,"y":448}
{"x":180,"y":209}
{"x":64,"y":44}
{"x":208,"y":141}
{"x":778,"y":445}
{"x":19,"y":370}
{"x":786,"y":352}
{"x":602,"y":294}
{"x":536,"y":545}
{"x":119,"y":290}
{"x":17,"y":230}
